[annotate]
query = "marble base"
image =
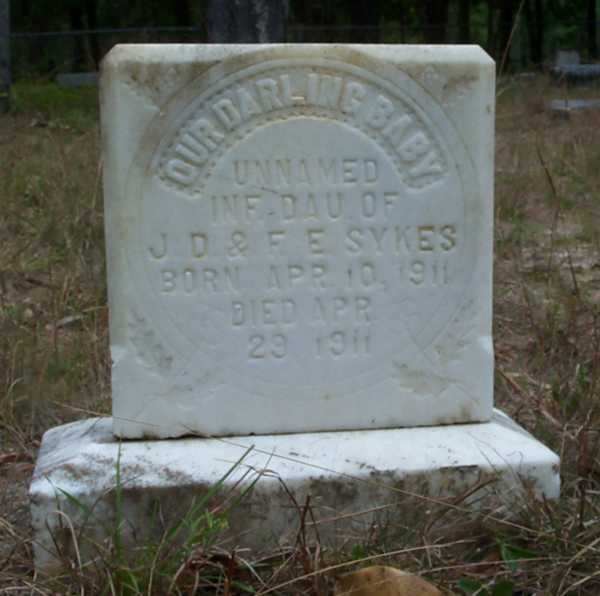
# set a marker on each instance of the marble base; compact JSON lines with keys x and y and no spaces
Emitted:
{"x":343,"y":472}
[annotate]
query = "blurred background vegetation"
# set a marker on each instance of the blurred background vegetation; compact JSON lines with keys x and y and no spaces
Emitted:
{"x":52,"y":36}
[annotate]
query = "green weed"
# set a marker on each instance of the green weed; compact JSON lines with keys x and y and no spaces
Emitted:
{"x":164,"y":565}
{"x":55,"y":106}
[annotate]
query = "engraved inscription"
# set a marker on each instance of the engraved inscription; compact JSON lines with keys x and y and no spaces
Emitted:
{"x":311,"y":220}
{"x":384,"y":116}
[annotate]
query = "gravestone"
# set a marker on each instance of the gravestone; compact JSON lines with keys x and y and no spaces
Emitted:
{"x":77,"y":79}
{"x":299,"y":240}
{"x":565,"y":107}
{"x":307,"y":235}
{"x":568,"y":69}
{"x":567,"y":58}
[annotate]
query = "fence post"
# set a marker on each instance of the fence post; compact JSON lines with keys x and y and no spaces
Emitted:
{"x":4,"y":54}
{"x":246,"y":21}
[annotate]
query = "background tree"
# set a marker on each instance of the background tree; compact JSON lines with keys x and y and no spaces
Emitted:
{"x":464,"y":21}
{"x":91,"y":13}
{"x":182,"y":12}
{"x":592,"y":44}
{"x":534,"y":18}
{"x":5,"y":74}
{"x":548,"y":25}
{"x":366,"y":13}
{"x":491,"y":27}
{"x":505,"y":26}
{"x":75,"y":11}
{"x":435,"y":20}
{"x":229,"y":22}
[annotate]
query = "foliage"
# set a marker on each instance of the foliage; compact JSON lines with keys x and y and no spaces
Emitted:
{"x":511,"y":556}
{"x":51,"y":103}
{"x":540,"y":27}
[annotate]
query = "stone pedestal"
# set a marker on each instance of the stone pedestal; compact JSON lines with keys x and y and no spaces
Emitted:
{"x":343,"y":472}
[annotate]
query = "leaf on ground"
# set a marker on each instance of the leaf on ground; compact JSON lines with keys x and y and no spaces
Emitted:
{"x":503,"y":588}
{"x":512,"y":555}
{"x":380,"y":580}
{"x":470,"y":586}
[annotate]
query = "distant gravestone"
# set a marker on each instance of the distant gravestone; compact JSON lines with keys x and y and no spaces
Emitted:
{"x":577,"y":74}
{"x":299,"y":240}
{"x":77,"y":79}
{"x":567,"y":58}
{"x":568,"y":106}
{"x":568,"y":69}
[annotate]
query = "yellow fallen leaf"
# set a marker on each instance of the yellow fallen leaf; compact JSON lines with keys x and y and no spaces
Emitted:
{"x":380,"y":580}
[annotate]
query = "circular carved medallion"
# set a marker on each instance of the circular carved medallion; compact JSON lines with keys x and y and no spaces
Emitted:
{"x":301,"y":224}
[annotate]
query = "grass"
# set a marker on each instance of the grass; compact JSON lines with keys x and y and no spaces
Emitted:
{"x":54,"y":364}
{"x":168,"y":564}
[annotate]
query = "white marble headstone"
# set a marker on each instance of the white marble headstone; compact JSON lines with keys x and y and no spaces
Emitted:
{"x":299,"y":237}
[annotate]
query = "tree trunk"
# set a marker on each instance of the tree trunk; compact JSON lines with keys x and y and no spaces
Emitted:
{"x":464,"y":21}
{"x":303,"y":17}
{"x":91,"y":13}
{"x":183,"y":17}
{"x":507,"y":19}
{"x":535,"y":30}
{"x":436,"y":20}
{"x":4,"y":55}
{"x":539,"y":22}
{"x":402,"y":19}
{"x":365,"y":13}
{"x":491,"y":28}
{"x":591,"y":30}
{"x":246,"y":21}
{"x":76,"y":23}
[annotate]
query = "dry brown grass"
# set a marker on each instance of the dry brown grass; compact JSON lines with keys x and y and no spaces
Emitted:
{"x":54,"y":360}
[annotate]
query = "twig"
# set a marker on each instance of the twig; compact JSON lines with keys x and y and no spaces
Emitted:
{"x":510,"y":37}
